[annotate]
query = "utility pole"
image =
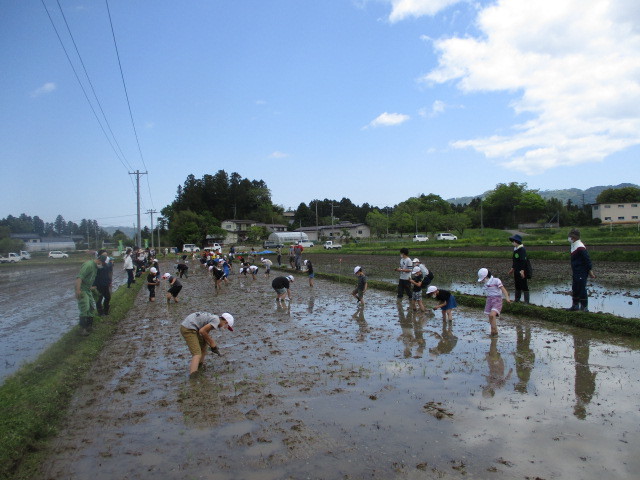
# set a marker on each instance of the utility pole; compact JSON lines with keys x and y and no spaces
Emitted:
{"x":151,"y":212}
{"x":137,"y":173}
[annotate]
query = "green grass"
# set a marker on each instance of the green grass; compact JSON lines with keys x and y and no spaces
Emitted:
{"x":36,"y":397}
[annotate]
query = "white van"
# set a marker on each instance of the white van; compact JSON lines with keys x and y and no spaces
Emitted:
{"x":446,"y":236}
{"x":190,"y":247}
{"x":306,"y":244}
{"x":420,"y":238}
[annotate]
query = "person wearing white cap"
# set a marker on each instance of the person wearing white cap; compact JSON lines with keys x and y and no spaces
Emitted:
{"x":267,"y":266}
{"x":416,"y":282}
{"x":152,"y":283}
{"x":446,"y":299}
{"x":309,"y":265}
{"x":494,"y":290}
{"x":196,"y":330}
{"x":361,"y":286}
{"x":174,"y":289}
{"x":427,"y":276}
{"x":282,"y":287}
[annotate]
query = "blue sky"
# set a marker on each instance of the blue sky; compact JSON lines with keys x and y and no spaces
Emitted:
{"x":374,"y":100}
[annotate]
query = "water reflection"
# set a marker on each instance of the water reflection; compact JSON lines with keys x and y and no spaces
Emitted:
{"x":525,"y":358}
{"x":496,"y":378}
{"x":411,"y":324}
{"x":447,"y":340}
{"x":585,"y":383}
{"x":363,"y":328}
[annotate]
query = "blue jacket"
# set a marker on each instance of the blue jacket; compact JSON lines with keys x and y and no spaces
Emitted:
{"x":580,"y":262}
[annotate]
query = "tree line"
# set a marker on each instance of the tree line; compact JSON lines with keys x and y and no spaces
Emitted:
{"x":202,"y":204}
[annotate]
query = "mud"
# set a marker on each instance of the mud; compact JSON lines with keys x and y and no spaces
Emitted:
{"x":322,"y":389}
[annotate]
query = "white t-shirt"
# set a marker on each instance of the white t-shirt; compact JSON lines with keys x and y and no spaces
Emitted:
{"x":197,"y":320}
{"x":406,"y":263}
{"x":493,"y":287}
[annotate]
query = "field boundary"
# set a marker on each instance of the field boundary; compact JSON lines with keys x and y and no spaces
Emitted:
{"x":36,"y":397}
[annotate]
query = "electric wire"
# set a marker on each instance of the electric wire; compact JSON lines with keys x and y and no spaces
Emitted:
{"x":81,"y":85}
{"x":91,"y":85}
{"x":126,"y":93}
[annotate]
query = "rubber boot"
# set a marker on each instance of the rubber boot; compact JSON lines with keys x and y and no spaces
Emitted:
{"x":526,"y":297}
{"x":575,"y":306}
{"x":584,"y":304}
{"x":518,"y":295}
{"x":83,"y":326}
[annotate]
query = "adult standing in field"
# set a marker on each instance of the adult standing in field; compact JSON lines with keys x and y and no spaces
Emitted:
{"x":519,"y":269}
{"x":103,"y":281}
{"x":581,"y":268}
{"x":292,"y":256}
{"x":298,"y":256}
{"x":128,"y":266}
{"x":405,"y":268}
{"x":84,"y":295}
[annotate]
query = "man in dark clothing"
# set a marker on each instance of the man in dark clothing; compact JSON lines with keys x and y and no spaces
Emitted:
{"x":581,"y":268}
{"x":519,"y":268}
{"x":104,"y":278}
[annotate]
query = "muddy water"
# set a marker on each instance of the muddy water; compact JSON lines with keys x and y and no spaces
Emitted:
{"x":616,"y":289}
{"x":37,"y":307}
{"x":322,"y":389}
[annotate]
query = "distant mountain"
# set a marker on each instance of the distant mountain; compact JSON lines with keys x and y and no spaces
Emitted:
{"x":576,"y":195}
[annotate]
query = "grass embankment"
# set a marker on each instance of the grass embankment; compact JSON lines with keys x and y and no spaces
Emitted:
{"x":36,"y":397}
{"x":604,"y":322}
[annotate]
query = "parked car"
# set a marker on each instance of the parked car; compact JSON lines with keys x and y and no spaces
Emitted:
{"x":25,"y":255}
{"x":446,"y":236}
{"x":13,"y":258}
{"x":420,"y":238}
{"x":305,"y":244}
{"x":267,"y":244}
{"x":190,"y":247}
{"x":58,"y":254}
{"x":329,"y":245}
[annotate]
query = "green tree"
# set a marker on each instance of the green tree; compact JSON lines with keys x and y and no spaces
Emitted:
{"x":378,"y":222}
{"x":530,"y":208}
{"x":619,"y":195}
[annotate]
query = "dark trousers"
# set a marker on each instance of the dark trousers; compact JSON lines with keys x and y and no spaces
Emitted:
{"x":579,"y":288}
{"x":104,"y":298}
{"x":404,"y":286}
{"x":130,"y":279}
{"x":521,"y":283}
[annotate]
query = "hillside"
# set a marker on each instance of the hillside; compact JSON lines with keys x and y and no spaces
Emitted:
{"x":576,"y":195}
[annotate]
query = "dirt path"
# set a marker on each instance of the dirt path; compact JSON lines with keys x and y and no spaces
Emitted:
{"x":324,"y":390}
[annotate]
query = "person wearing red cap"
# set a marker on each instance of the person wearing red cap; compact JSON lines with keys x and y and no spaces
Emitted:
{"x":196,"y":330}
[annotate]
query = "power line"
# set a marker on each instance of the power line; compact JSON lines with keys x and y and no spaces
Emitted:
{"x":91,"y":85}
{"x":126,"y":93}
{"x":81,"y":85}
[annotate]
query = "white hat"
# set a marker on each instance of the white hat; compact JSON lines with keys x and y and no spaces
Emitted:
{"x":305,"y":262}
{"x":290,"y":278}
{"x":415,"y":270}
{"x":166,"y":275}
{"x":482,"y":274}
{"x":153,"y":270}
{"x":415,"y":260}
{"x":230,"y":320}
{"x":261,"y":259}
{"x":431,"y":289}
{"x":357,"y":269}
{"x":210,"y":267}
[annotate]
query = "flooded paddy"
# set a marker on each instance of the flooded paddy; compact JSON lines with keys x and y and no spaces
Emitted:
{"x":37,"y":307}
{"x":322,"y":389}
{"x":615,"y":290}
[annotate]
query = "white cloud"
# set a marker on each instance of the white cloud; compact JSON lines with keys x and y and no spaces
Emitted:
{"x":278,"y":154}
{"x":402,"y":9}
{"x":44,"y":89}
{"x":388,"y":119}
{"x":573,"y":68}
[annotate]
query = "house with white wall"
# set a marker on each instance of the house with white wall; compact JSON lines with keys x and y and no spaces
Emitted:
{"x":616,"y":212}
